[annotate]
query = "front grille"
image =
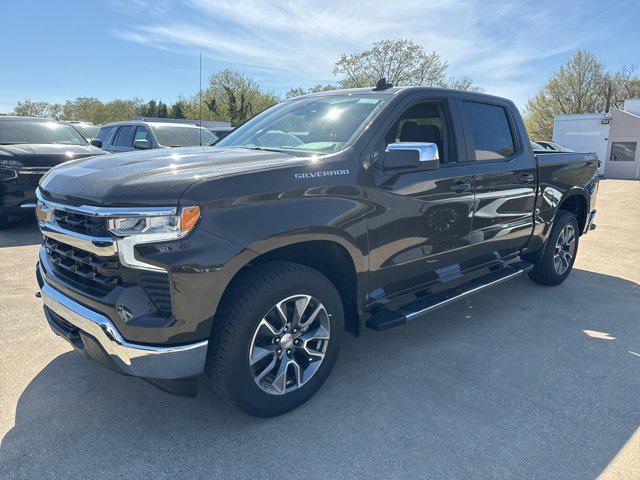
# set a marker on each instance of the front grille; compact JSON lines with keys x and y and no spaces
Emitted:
{"x":80,"y":223}
{"x":98,"y":276}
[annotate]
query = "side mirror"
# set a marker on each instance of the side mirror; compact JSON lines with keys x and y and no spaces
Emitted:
{"x":141,"y":144}
{"x":411,"y":156}
{"x":96,"y":142}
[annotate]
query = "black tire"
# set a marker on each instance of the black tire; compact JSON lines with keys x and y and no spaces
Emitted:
{"x":251,"y":298}
{"x":544,"y":272}
{"x":4,"y":222}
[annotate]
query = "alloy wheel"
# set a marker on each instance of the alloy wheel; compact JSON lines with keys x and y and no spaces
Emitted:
{"x":289,"y":344}
{"x":565,"y":249}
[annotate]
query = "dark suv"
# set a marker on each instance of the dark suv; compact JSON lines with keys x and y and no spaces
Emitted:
{"x":29,"y":147}
{"x":139,"y":135}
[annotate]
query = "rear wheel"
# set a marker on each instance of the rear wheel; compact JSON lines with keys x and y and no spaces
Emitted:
{"x":560,"y":251}
{"x":276,"y":339}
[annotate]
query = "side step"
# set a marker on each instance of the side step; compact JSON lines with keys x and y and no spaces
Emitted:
{"x":386,"y":319}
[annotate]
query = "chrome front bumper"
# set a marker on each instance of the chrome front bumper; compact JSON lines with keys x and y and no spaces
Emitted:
{"x":155,"y":362}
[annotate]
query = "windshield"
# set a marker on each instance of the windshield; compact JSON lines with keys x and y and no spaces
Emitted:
{"x":45,"y":131}
{"x":314,"y":125}
{"x":182,"y":135}
{"x":87,"y":131}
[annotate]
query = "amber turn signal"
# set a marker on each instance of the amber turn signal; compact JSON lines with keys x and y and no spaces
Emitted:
{"x":188,"y":218}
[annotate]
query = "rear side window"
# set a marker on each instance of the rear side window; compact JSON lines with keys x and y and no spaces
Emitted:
{"x":490,"y":131}
{"x":104,"y":133}
{"x":124,"y":137}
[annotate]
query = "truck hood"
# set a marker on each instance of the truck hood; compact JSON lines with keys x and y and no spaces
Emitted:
{"x":46,"y":155}
{"x":151,"y":177}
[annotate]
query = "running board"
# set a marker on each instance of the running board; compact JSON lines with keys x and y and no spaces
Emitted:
{"x":386,"y":319}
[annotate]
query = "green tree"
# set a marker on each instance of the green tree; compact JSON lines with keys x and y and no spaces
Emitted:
{"x":401,"y":62}
{"x":581,"y":85}
{"x":82,"y":108}
{"x":28,"y":108}
{"x":463,"y":83}
{"x":149,"y":109}
{"x":619,"y":86}
{"x":177,"y":109}
{"x":234,"y":97}
{"x":162,"y":110}
{"x":298,"y":91}
{"x":118,"y":109}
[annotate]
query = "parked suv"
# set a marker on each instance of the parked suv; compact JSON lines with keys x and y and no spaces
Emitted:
{"x":249,"y":260}
{"x":139,"y":135}
{"x":29,"y":147}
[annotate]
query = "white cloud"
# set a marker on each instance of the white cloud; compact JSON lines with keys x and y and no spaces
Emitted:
{"x":285,"y":44}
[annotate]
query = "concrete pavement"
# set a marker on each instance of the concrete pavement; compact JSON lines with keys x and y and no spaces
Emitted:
{"x":522,"y":381}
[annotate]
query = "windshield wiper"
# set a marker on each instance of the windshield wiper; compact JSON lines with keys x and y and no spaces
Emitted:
{"x":264,"y":149}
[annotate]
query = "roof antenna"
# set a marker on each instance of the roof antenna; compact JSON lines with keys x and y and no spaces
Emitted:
{"x":382,"y":85}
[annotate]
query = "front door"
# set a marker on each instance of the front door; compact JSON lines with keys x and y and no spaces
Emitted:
{"x":420,"y":222}
{"x":123,"y":139}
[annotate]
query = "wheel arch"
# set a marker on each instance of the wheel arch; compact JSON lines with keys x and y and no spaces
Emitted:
{"x":334,"y":257}
{"x":578,"y":204}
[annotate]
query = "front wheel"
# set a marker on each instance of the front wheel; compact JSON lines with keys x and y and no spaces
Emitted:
{"x":559,"y":253}
{"x":276,"y":339}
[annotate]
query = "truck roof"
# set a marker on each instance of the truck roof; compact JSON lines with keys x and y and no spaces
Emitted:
{"x":396,"y":90}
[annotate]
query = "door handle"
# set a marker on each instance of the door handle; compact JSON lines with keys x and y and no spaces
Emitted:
{"x":460,"y":187}
{"x":526,"y":178}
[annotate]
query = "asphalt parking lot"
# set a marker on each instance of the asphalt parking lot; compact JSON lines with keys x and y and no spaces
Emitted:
{"x":523,"y":381}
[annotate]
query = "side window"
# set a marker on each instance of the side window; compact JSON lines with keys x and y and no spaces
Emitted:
{"x":142,"y":133}
{"x":104,"y":133}
{"x":623,"y":151}
{"x":490,"y":131}
{"x":424,"y":122}
{"x":124,"y":137}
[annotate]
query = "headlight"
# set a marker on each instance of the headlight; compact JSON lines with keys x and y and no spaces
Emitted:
{"x":136,"y":230}
{"x":171,"y":226}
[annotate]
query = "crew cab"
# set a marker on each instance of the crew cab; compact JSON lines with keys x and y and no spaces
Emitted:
{"x":328,"y":213}
{"x":29,"y":147}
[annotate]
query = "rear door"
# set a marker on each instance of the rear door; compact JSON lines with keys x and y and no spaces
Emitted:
{"x":505,"y":178}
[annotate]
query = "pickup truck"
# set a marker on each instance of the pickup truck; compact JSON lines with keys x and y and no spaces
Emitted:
{"x":249,"y":260}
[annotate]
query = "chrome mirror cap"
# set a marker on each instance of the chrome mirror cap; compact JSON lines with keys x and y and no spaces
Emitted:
{"x":427,"y":151}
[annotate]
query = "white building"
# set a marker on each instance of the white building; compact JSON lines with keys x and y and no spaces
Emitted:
{"x":613,"y":137}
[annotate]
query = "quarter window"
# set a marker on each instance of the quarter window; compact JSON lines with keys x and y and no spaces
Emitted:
{"x":490,"y":131}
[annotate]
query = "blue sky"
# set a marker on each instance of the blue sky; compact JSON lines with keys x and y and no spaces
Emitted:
{"x":57,"y":50}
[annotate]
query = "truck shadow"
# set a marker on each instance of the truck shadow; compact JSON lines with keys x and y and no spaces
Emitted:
{"x":511,"y":383}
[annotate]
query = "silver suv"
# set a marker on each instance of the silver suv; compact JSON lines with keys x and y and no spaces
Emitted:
{"x":139,"y":135}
